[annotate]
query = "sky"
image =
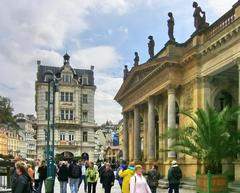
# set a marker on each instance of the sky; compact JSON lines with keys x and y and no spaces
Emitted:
{"x":103,"y":33}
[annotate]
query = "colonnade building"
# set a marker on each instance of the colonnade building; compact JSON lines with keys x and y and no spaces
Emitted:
{"x":203,"y":70}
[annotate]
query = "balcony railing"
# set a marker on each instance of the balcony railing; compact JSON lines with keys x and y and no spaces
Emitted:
{"x":223,"y":22}
{"x":67,"y":143}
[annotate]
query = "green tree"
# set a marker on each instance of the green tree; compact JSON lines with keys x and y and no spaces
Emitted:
{"x":212,"y":137}
{"x":6,"y":112}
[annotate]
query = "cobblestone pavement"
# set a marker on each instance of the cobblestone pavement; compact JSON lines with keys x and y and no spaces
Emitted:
{"x":115,"y":189}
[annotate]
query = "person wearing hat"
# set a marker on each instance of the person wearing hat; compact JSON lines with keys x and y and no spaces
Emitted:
{"x":174,"y":176}
{"x":122,"y":167}
{"x":138,"y":183}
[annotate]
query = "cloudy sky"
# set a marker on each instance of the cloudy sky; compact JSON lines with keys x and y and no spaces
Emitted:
{"x":103,"y":33}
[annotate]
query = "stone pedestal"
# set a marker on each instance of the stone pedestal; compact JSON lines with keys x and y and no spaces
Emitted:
{"x":237,"y":170}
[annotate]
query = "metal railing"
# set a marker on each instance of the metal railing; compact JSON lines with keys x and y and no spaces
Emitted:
{"x":5,"y":179}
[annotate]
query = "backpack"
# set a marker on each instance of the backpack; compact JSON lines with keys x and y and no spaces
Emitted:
{"x":93,"y":175}
{"x":75,"y":171}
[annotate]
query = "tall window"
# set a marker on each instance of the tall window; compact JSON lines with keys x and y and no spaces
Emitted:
{"x":66,"y":96}
{"x":85,"y":98}
{"x":71,"y":136}
{"x":46,"y":114}
{"x":71,"y":115}
{"x":62,"y":115}
{"x":85,"y":80}
{"x":62,"y":136}
{"x":46,"y":96}
{"x":71,"y":97}
{"x":85,"y":136}
{"x":85,"y":116}
{"x":67,"y":78}
{"x":62,"y":96}
{"x":67,"y":114}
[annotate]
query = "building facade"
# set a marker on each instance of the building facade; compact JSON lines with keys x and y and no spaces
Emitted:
{"x":3,"y":142}
{"x":203,"y":70}
{"x":74,"y":109}
{"x":27,"y":124}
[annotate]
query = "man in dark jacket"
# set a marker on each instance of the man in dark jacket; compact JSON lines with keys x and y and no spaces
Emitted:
{"x":153,"y":178}
{"x":74,"y":175}
{"x":63,"y":176}
{"x":174,"y":176}
{"x":107,"y":178}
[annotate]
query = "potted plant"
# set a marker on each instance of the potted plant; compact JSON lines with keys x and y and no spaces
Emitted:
{"x":212,"y":137}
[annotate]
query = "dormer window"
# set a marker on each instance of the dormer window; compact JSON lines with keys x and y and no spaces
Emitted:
{"x":67,"y":78}
{"x":85,"y":80}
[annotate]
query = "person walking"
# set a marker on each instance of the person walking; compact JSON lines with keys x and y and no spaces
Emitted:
{"x":63,"y":176}
{"x":42,"y":170}
{"x":92,"y":177}
{"x":74,"y":176}
{"x":108,"y":178}
{"x":83,"y":177}
{"x":174,"y":176}
{"x":153,"y":178}
{"x":138,"y":183}
{"x":36,"y":174}
{"x":23,"y":182}
{"x":122,"y":167}
{"x":126,"y":175}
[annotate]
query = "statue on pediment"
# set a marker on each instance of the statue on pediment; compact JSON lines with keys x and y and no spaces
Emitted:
{"x":136,"y":59}
{"x":151,"y":45}
{"x":199,"y":17}
{"x":125,"y":72}
{"x":171,"y":23}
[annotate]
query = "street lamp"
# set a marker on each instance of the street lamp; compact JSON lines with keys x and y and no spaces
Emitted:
{"x":52,"y":86}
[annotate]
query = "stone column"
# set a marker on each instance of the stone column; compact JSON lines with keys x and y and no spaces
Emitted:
{"x":171,"y":118}
{"x":125,"y":136}
{"x":206,"y":99}
{"x":151,"y":130}
{"x":137,"y":139}
{"x":237,"y":162}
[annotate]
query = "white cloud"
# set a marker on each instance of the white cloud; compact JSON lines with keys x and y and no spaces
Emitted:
{"x":102,"y":57}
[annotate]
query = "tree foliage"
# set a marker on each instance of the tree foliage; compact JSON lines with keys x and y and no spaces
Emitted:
{"x":6,"y":112}
{"x":213,"y":136}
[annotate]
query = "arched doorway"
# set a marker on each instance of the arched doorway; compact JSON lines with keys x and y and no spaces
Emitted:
{"x":85,"y":156}
{"x":223,"y":99}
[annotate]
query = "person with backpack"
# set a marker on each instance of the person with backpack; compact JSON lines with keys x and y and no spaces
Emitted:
{"x":108,"y":178}
{"x":63,"y":176}
{"x":174,"y":176}
{"x":138,"y":183}
{"x":74,"y":175}
{"x":92,"y":177}
{"x":122,"y":167}
{"x":126,"y":175}
{"x":23,"y":182}
{"x":153,"y":178}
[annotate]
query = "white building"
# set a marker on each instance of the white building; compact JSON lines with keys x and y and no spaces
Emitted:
{"x":26,"y":123}
{"x":74,"y":110}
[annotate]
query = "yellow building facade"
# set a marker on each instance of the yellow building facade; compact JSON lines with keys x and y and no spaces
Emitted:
{"x":203,"y":70}
{"x":3,"y":143}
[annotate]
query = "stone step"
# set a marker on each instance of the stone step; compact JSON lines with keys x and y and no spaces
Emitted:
{"x":234,"y":187}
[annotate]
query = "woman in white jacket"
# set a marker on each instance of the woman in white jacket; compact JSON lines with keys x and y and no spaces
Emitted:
{"x":138,"y":183}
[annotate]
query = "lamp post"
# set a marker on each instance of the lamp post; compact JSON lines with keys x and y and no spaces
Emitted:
{"x":52,"y":86}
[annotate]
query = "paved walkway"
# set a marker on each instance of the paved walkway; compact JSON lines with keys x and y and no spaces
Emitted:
{"x":115,"y":189}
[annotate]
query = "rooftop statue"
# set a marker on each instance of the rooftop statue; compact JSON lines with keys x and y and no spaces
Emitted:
{"x":199,"y":20}
{"x":171,"y":23}
{"x":125,"y":72}
{"x":151,"y":45}
{"x":136,"y":59}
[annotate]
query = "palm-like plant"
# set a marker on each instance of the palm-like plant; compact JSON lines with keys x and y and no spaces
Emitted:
{"x":212,"y":137}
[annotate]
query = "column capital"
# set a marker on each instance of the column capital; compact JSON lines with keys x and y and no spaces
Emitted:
{"x":171,"y":90}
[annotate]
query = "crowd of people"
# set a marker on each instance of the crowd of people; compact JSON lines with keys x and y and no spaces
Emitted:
{"x":29,"y":178}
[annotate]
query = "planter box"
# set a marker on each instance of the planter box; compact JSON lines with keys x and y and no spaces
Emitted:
{"x":211,"y":183}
